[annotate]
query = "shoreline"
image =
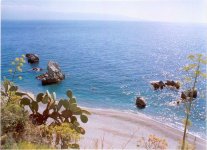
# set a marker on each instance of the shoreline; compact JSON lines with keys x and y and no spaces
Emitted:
{"x":117,"y":127}
{"x":112,"y":128}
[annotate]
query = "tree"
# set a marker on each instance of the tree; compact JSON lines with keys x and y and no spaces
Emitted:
{"x":194,"y":71}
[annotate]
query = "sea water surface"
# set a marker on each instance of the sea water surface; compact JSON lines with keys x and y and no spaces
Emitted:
{"x":108,"y":63}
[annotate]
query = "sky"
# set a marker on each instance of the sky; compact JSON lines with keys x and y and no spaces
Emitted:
{"x":193,"y":11}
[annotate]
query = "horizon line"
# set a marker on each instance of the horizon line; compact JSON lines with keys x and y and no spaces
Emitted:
{"x":107,"y":20}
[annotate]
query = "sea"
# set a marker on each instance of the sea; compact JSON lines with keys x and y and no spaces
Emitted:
{"x":108,"y":64}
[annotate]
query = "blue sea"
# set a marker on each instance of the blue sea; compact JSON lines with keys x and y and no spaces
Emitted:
{"x":108,"y":63}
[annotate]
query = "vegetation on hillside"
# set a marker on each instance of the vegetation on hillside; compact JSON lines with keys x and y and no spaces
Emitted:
{"x":38,"y":122}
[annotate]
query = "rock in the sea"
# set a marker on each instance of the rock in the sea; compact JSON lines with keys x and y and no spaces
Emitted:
{"x":161,"y":84}
{"x":189,"y":93}
{"x":53,"y":74}
{"x":158,"y":84}
{"x":140,"y":102}
{"x":155,"y":85}
{"x":172,"y":83}
{"x":32,"y":58}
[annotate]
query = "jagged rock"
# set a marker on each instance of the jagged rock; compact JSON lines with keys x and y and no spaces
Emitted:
{"x":53,"y":74}
{"x":161,"y":84}
{"x":140,"y":102}
{"x":32,"y":58}
{"x":157,"y":84}
{"x":173,"y":84}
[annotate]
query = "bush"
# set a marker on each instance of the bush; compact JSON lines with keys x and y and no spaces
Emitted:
{"x":57,"y":126}
{"x":63,"y":129}
{"x":13,"y":118}
{"x":153,"y":142}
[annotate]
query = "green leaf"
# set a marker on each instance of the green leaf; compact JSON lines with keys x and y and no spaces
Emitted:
{"x":52,"y":105}
{"x":73,"y":119}
{"x":76,"y":123}
{"x":53,"y":96}
{"x":72,"y":100}
{"x":25,"y":101}
{"x":45,"y":99}
{"x":65,"y":104}
{"x":73,"y":107}
{"x":13,"y":88}
{"x":69,"y":94}
{"x":66,"y":113}
{"x":86,"y":112}
{"x":80,"y":130}
{"x":60,"y":103}
{"x":20,"y":93}
{"x":39,"y":97}
{"x":84,"y":118}
{"x":34,"y":106}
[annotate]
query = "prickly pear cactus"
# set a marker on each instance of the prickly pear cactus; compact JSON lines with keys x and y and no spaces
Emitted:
{"x":64,"y":111}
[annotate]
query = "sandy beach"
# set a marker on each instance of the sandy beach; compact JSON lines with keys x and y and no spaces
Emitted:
{"x":116,"y":129}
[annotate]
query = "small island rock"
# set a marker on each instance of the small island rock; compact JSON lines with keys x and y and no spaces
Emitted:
{"x":140,"y":102}
{"x":53,"y":74}
{"x":32,"y":58}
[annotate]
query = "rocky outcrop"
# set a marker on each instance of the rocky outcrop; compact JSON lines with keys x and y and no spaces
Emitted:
{"x":140,"y":102}
{"x":157,"y":85}
{"x":172,"y":83}
{"x":32,"y":58}
{"x":53,"y":74}
{"x":160,"y":84}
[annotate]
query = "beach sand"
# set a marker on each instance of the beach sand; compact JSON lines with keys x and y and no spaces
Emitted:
{"x":116,"y":129}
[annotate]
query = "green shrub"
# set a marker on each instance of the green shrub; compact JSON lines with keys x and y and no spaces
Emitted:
{"x":64,"y":128}
{"x":13,"y":118}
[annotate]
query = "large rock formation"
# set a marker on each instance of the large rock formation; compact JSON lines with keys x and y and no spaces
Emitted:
{"x":160,"y":84}
{"x":32,"y":58}
{"x":53,"y":74}
{"x":140,"y":102}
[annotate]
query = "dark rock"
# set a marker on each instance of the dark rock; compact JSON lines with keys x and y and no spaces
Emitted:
{"x":177,"y":85}
{"x":183,"y":96}
{"x":173,"y":84}
{"x":42,"y":76}
{"x":140,"y":102}
{"x":32,"y":58}
{"x":161,"y":84}
{"x":188,"y":94}
{"x":155,"y":85}
{"x":53,"y":74}
{"x":158,"y":85}
{"x":192,"y":93}
{"x":169,"y":83}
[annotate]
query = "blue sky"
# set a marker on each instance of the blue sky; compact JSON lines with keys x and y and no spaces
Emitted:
{"x":151,"y":10}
